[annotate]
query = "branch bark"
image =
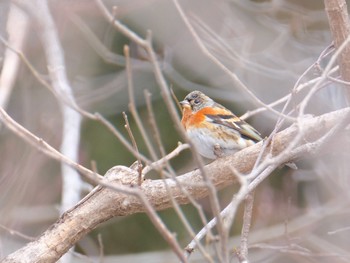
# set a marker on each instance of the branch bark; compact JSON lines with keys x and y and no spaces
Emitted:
{"x":104,"y":203}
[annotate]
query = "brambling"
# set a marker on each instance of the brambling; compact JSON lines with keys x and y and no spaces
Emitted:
{"x":215,"y":130}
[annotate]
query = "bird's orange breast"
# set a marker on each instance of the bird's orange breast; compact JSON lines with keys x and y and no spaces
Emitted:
{"x":190,"y":119}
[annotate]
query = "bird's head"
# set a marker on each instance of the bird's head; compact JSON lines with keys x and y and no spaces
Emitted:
{"x":196,"y":100}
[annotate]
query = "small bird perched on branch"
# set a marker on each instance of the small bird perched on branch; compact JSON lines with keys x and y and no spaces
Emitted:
{"x":215,"y":130}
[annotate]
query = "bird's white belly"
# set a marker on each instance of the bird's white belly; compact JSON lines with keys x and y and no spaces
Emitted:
{"x":205,"y":143}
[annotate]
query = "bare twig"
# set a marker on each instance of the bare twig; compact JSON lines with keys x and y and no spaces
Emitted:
{"x":175,"y":99}
{"x":337,"y":80}
{"x":158,"y":165}
{"x":122,"y":28}
{"x":325,"y":73}
{"x":338,"y":230}
{"x":133,"y":141}
{"x":17,"y":233}
{"x":281,"y":100}
{"x":229,"y":212}
{"x":121,"y":138}
{"x":247,"y":218}
{"x":132,"y":105}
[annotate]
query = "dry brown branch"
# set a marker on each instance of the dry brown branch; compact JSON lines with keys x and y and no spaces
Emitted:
{"x":158,"y":165}
{"x":103,"y":203}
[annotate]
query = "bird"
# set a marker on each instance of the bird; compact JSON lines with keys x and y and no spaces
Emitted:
{"x":214,"y":130}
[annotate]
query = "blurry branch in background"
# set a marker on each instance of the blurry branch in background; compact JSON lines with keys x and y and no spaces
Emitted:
{"x":71,"y":118}
{"x":71,"y":181}
{"x":169,"y":71}
{"x":324,"y":77}
{"x":298,"y":89}
{"x":41,"y":79}
{"x":299,"y":224}
{"x":44,"y":147}
{"x":17,"y":28}
{"x":339,"y":24}
{"x":118,"y":188}
{"x":16,"y":233}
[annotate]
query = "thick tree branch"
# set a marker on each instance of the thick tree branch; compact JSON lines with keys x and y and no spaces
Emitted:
{"x":104,"y":203}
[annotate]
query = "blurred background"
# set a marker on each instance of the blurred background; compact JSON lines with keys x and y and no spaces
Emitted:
{"x":268,"y":44}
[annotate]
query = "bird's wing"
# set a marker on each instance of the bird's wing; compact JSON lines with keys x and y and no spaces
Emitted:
{"x":231,"y":121}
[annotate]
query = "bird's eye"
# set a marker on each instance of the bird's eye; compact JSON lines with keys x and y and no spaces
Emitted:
{"x":197,"y":101}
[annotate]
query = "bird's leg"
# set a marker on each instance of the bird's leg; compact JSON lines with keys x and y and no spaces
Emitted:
{"x":218,"y":151}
